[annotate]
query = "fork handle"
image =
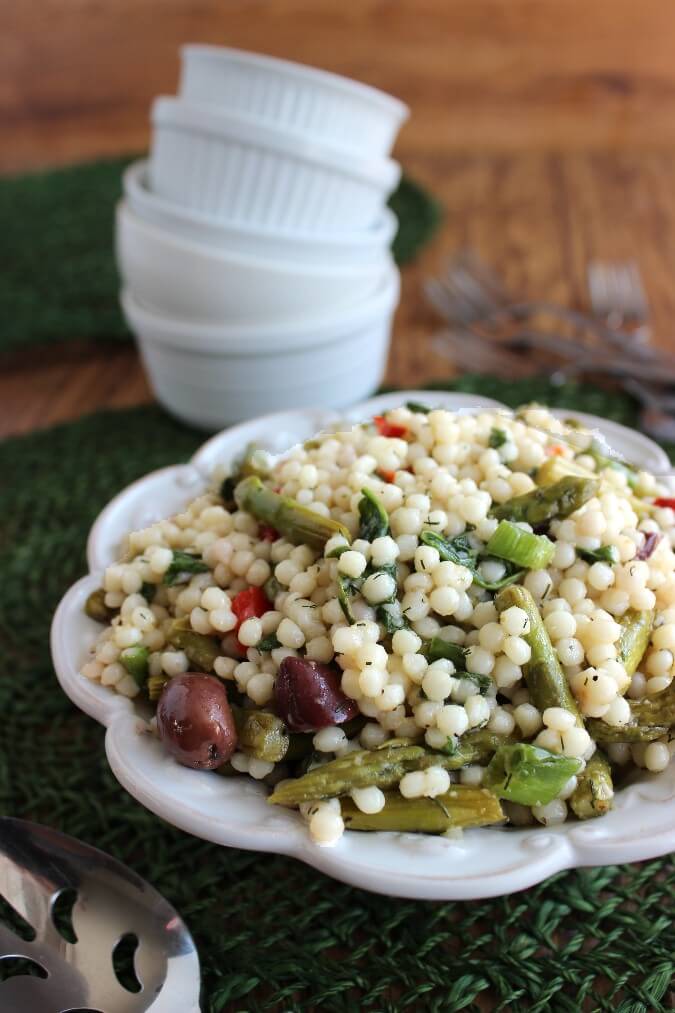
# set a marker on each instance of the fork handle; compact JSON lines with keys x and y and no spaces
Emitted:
{"x":614,"y":336}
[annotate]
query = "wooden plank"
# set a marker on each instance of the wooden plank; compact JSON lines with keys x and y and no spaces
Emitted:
{"x":77,"y":76}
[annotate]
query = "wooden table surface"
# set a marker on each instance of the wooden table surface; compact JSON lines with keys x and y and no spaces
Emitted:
{"x":549,"y":141}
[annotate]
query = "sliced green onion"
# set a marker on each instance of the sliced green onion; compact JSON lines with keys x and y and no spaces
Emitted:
{"x":510,"y":542}
{"x":528,"y":775}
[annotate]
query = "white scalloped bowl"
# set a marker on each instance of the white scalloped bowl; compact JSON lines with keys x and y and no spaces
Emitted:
{"x":233,"y":812}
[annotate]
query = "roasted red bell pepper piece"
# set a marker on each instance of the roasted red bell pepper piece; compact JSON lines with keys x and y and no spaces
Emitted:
{"x":247,"y":604}
{"x":386,"y":428}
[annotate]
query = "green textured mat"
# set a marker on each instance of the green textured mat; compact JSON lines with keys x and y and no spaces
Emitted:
{"x":274,"y":934}
{"x":57,"y":271}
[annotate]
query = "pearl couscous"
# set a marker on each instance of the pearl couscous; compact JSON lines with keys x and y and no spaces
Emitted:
{"x":429,"y":622}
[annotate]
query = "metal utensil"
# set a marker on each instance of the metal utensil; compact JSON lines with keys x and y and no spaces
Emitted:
{"x":618,"y":296}
{"x":470,"y":296}
{"x":37,"y":866}
{"x":469,"y":293}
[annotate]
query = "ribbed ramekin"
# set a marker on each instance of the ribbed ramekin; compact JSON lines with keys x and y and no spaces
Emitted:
{"x":360,"y":246}
{"x":326,"y":107}
{"x":240,"y":171}
{"x":210,"y":376}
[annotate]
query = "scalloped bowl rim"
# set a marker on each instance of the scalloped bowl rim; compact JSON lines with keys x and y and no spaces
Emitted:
{"x":233,"y":812}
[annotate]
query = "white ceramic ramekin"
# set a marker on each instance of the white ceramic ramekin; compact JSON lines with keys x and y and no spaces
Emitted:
{"x":355,"y":247}
{"x":179,"y":277}
{"x":323,"y":106}
{"x":211,"y":376}
{"x":241,"y":171}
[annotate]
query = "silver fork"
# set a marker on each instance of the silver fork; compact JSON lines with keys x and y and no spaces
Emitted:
{"x":469,"y":293}
{"x":469,"y":296}
{"x":618,"y":296}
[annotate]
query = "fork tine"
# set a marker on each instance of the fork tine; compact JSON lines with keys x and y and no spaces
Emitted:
{"x":471,"y":288}
{"x":616,"y":289}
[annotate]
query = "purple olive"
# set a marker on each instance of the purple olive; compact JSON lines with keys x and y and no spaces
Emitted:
{"x":195,"y":722}
{"x":308,"y":696}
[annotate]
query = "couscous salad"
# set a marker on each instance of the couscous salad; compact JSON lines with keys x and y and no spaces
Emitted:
{"x":424,"y":623}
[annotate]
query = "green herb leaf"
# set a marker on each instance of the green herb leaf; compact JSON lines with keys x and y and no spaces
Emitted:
{"x":391,"y":616}
{"x":267,"y":644}
{"x":182,"y":565}
{"x":455,"y":550}
{"x":374,"y":518}
{"x":605,"y":554}
{"x":346,"y":588}
{"x":438,"y":648}
{"x":271,"y":587}
{"x":417,"y":407}
{"x":497,"y":438}
{"x":148,"y":591}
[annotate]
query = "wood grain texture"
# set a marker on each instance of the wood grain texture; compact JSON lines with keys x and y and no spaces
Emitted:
{"x":546,"y":128}
{"x":537,"y":218}
{"x":77,"y":76}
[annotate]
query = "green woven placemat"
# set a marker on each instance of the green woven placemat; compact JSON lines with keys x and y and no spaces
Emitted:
{"x":272,"y":933}
{"x":57,"y":271}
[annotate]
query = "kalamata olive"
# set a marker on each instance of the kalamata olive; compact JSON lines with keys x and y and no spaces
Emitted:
{"x":195,"y":722}
{"x":308,"y":695}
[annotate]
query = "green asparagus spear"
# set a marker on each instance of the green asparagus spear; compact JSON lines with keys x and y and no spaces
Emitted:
{"x":594,"y":791}
{"x":602,"y":461}
{"x":651,"y":718}
{"x":520,"y":772}
{"x":253,"y":462}
{"x":637,"y":629}
{"x":461,"y":807}
{"x":135,"y":660}
{"x":383,"y":767}
{"x":295,"y":522}
{"x":548,"y":503}
{"x":96,"y":608}
{"x":156,"y":684}
{"x":544,"y":676}
{"x":260,"y":734}
{"x":633,"y":732}
{"x":557,"y":468}
{"x":200,"y":649}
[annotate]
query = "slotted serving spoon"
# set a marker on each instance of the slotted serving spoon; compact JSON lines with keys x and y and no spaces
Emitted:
{"x":37,"y":864}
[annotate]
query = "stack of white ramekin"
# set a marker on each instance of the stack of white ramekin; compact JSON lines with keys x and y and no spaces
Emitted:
{"x":254,"y":244}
